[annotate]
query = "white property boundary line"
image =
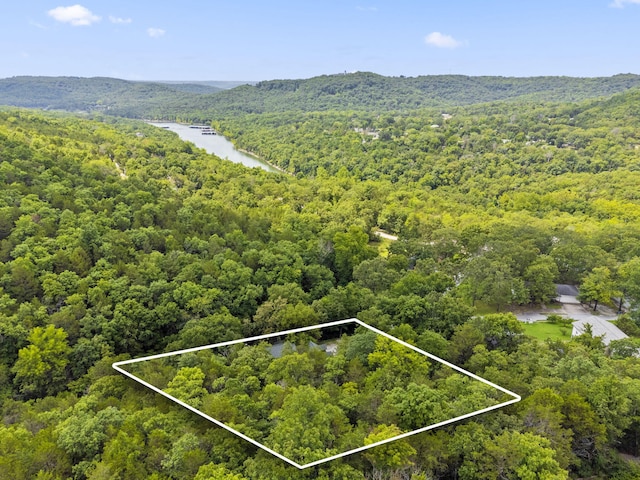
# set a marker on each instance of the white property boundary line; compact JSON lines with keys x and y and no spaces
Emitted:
{"x":117,"y":365}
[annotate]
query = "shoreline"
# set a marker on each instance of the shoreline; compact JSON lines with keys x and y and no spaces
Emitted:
{"x":248,"y":152}
{"x":241,"y":150}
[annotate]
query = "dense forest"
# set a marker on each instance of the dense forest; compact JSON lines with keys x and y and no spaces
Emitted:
{"x":359,"y":91}
{"x":257,"y":389}
{"x":95,"y":94}
{"x":118,"y":240}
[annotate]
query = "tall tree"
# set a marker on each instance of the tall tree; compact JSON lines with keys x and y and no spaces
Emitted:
{"x":40,"y":368}
{"x":308,"y":426}
{"x":351,"y":248}
{"x":597,"y":286}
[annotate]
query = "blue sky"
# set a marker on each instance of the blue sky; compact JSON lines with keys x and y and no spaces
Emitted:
{"x":261,"y":40}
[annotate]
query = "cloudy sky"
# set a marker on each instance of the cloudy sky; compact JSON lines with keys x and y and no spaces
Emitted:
{"x":259,"y":40}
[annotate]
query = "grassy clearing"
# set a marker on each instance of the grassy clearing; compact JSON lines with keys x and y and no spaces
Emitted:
{"x":544,"y":330}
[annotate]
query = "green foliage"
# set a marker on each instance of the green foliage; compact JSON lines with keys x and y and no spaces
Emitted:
{"x":628,"y":325}
{"x":391,"y":455}
{"x":187,"y":386}
{"x":350,"y":249}
{"x":627,"y":347}
{"x":40,"y":368}
{"x":359,"y":91}
{"x":416,"y":406}
{"x":539,"y":278}
{"x":307,"y":427}
{"x":597,"y":287}
{"x":211,"y":471}
{"x":83,"y":434}
{"x":494,"y":205}
{"x":92,"y":94}
{"x":522,"y":456}
{"x":185,"y":457}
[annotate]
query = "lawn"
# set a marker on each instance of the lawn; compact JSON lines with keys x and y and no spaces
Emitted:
{"x":544,"y":330}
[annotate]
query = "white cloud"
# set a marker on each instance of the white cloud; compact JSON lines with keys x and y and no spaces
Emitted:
{"x":119,"y":20}
{"x":440,"y":40}
{"x":621,"y":3}
{"x":155,"y":32}
{"x":76,"y":15}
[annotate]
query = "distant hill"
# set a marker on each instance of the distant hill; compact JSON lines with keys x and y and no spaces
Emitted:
{"x":216,"y":84}
{"x":355,"y":91}
{"x":202,"y":88}
{"x":364,"y":90}
{"x":98,"y":93}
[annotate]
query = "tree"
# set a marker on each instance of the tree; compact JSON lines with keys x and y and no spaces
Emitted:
{"x":83,"y":434}
{"x":291,"y":370}
{"x":23,"y":283}
{"x":187,"y":386}
{"x":610,"y":400}
{"x":597,"y":286}
{"x":214,"y":328}
{"x":389,"y":456}
{"x":629,"y":282}
{"x":351,"y":248}
{"x":211,"y":471}
{"x":414,"y":407}
{"x":465,"y":338}
{"x":516,"y":455}
{"x":123,"y":457}
{"x":539,"y":279}
{"x":434,"y":343}
{"x":493,"y":281}
{"x":375,"y":274}
{"x":343,"y":302}
{"x":500,"y":330}
{"x":503,"y":287}
{"x":589,"y":435}
{"x":307,"y":426}
{"x":185,"y":458}
{"x":395,"y":365}
{"x":624,"y":348}
{"x":543,"y":416}
{"x":40,"y":368}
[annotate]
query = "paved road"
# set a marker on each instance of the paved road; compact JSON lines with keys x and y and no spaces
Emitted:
{"x":388,"y":236}
{"x":571,"y":309}
{"x":582,"y":314}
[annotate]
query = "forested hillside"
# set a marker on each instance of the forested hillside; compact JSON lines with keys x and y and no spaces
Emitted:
{"x":94,"y":94}
{"x":360,"y":91}
{"x":119,"y":240}
{"x":372,"y":92}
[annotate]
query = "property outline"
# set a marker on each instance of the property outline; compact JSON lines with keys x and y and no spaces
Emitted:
{"x":117,"y":367}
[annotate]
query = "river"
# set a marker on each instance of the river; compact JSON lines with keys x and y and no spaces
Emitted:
{"x":216,"y":144}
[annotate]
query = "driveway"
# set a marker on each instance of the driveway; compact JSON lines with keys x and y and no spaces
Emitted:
{"x":599,"y":320}
{"x":571,"y":308}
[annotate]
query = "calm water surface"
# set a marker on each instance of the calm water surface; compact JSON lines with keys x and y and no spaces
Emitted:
{"x":216,"y":144}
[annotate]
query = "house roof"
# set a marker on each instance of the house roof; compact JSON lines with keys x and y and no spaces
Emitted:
{"x":599,"y":327}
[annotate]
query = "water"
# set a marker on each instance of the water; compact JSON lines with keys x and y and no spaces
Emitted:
{"x":216,"y":144}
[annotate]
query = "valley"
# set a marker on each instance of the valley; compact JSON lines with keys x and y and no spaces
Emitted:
{"x":120,"y":240}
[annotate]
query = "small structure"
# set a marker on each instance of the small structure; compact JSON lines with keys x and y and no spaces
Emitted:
{"x":599,"y":327}
{"x":330,"y":348}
